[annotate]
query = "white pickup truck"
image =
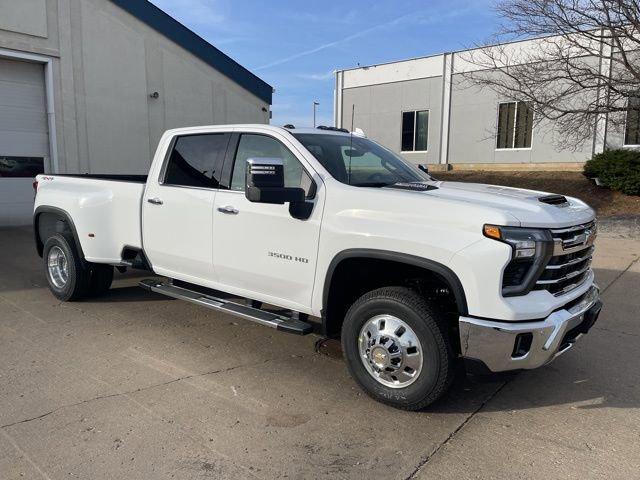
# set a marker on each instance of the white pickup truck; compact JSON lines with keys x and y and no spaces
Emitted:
{"x":320,"y":228}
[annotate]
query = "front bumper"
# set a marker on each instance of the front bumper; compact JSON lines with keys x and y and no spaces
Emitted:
{"x":501,"y":346}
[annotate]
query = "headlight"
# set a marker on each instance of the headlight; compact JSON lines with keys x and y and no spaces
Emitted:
{"x":531,"y":250}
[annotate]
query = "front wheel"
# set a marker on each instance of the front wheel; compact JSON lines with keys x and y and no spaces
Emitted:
{"x":397,"y":348}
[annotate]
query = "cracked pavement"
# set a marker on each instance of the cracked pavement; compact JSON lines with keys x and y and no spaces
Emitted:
{"x":135,"y":385}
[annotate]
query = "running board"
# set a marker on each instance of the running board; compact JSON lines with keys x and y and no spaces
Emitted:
{"x":269,"y":319}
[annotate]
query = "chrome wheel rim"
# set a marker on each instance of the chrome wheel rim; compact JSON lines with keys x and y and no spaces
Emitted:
{"x":390,"y":351}
{"x":58,"y":267}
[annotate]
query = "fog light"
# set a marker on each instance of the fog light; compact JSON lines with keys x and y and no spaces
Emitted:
{"x":522,"y":345}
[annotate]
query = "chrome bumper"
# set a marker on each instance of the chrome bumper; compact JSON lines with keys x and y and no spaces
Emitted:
{"x":498,"y":345}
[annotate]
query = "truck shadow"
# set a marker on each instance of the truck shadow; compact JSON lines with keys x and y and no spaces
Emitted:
{"x":594,"y":374}
{"x":128,"y":294}
{"x":570,"y":380}
{"x":550,"y":386}
{"x":125,"y":288}
{"x":600,"y":371}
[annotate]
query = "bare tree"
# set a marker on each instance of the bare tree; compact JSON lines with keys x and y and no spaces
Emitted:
{"x":580,"y":70}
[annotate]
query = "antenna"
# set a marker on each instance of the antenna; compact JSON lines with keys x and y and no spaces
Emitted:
{"x":353,"y":111}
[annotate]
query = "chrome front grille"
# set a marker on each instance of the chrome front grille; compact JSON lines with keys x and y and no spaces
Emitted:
{"x":573,"y":239}
{"x":571,"y":261}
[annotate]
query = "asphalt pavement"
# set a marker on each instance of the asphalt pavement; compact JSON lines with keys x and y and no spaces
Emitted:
{"x":134,"y":385}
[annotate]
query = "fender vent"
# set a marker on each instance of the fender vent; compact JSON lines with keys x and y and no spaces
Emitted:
{"x":416,"y":186}
{"x":553,"y":199}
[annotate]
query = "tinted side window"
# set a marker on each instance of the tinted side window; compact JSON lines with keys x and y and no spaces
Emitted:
{"x":255,"y":146}
{"x":196,"y":160}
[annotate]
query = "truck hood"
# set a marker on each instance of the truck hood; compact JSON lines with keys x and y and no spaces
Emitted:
{"x":524,"y":205}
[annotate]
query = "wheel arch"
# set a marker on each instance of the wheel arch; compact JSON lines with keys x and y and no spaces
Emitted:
{"x":47,"y":220}
{"x":436,"y":269}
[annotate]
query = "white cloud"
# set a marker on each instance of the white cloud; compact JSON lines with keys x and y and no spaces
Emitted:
{"x":333,"y":16}
{"x":317,"y":76}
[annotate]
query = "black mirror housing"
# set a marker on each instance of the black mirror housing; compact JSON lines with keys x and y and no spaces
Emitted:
{"x":275,"y":195}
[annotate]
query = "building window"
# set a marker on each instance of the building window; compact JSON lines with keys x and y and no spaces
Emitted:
{"x":27,"y":167}
{"x":632,"y":128}
{"x":515,"y":125}
{"x":415,"y":130}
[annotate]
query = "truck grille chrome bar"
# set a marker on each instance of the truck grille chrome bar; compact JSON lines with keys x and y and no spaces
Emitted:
{"x":585,"y":256}
{"x":573,"y":239}
{"x":570,"y":264}
{"x":568,"y":276}
{"x":575,"y":228}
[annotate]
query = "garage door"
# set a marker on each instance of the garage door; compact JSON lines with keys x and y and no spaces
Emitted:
{"x":24,"y":142}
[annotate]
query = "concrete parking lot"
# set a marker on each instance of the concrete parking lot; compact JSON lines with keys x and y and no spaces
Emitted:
{"x":137,"y":386}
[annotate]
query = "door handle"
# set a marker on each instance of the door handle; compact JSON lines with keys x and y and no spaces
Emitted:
{"x":154,"y":201}
{"x":228,"y":209}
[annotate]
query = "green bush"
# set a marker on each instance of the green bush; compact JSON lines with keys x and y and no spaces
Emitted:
{"x":616,"y":169}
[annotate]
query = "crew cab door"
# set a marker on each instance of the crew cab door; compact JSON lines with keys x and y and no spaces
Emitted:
{"x":259,"y":250}
{"x":177,"y":206}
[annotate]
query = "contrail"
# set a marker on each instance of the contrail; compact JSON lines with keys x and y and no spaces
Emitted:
{"x":334,"y":43}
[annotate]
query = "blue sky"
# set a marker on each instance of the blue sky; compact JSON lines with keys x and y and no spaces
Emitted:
{"x":296,"y":45}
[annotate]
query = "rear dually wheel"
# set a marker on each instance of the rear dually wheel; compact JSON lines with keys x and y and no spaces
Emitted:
{"x":67,"y":274}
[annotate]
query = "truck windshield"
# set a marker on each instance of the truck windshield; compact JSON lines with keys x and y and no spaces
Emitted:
{"x":359,"y":161}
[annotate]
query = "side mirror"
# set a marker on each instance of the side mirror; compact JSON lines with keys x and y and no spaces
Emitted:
{"x":265,"y":182}
{"x":424,"y":167}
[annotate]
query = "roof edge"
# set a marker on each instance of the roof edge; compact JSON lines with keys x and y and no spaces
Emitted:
{"x":165,"y":24}
{"x":451,"y":52}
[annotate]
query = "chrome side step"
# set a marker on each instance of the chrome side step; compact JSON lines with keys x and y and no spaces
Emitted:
{"x":269,"y":319}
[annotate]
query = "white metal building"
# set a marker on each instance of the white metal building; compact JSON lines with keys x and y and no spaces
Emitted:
{"x":88,"y":86}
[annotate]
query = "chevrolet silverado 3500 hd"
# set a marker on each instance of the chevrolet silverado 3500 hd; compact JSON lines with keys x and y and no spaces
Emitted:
{"x":413,"y":274}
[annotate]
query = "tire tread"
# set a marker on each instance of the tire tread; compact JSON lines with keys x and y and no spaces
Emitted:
{"x":436,"y":322}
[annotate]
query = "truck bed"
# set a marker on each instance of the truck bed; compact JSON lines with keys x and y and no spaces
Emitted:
{"x":105,"y":210}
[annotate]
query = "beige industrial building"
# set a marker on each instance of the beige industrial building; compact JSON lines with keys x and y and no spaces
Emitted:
{"x":88,"y":86}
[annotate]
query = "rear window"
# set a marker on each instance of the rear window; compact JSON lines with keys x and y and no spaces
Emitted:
{"x":196,"y":160}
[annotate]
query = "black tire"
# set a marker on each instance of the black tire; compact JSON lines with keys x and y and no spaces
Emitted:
{"x":429,"y":326}
{"x":101,"y":277}
{"x":78,"y":274}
